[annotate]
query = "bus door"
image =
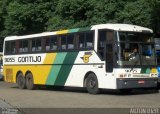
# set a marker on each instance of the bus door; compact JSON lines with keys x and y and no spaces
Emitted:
{"x":109,"y":58}
{"x":105,"y":47}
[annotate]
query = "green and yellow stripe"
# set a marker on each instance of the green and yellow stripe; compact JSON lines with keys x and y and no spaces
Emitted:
{"x":62,"y":65}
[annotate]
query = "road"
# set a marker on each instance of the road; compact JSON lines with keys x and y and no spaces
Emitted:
{"x":75,"y":98}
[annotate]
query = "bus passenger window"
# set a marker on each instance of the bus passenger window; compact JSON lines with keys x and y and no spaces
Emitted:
{"x":81,"y":43}
{"x":7,"y":47}
{"x":23,"y":46}
{"x":63,"y":42}
{"x":89,"y":40}
{"x":36,"y":45}
{"x":13,"y":47}
{"x":70,"y":41}
{"x":33,"y":45}
{"x":20,"y":46}
{"x":53,"y":43}
{"x":47,"y":45}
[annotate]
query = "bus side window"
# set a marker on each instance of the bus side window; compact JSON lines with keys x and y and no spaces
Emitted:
{"x":53,"y":43}
{"x":63,"y":42}
{"x":23,"y":46}
{"x":36,"y":45}
{"x":13,"y":47}
{"x":81,"y":43}
{"x":33,"y":45}
{"x":89,"y":39}
{"x":7,"y":47}
{"x":47,"y":45}
{"x":70,"y":41}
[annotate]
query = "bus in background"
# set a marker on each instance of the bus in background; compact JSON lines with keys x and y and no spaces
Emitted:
{"x":104,"y":56}
{"x":157,"y":47}
{"x":1,"y":65}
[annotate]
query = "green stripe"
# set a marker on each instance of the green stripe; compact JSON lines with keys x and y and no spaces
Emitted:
{"x":55,"y":68}
{"x":65,"y":69}
{"x":145,"y":70}
{"x":84,"y":29}
{"x":73,"y":30}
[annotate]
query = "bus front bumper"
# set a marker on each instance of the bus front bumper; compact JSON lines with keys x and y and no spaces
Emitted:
{"x":124,"y":83}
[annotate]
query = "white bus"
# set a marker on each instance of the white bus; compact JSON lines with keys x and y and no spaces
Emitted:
{"x":104,"y":56}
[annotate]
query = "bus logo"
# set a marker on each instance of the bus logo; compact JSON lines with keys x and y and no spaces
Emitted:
{"x":86,"y":57}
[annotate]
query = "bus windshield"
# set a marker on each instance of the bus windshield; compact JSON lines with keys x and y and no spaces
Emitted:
{"x":135,"y":49}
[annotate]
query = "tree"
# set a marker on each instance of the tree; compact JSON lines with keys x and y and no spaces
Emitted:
{"x":20,"y":17}
{"x":137,"y":12}
{"x":155,"y":18}
{"x":26,"y":17}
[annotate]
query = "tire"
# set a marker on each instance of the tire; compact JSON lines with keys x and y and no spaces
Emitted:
{"x":92,"y":84}
{"x":21,"y":82}
{"x":30,"y":82}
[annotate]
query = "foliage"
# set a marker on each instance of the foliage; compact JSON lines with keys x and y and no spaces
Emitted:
{"x":20,"y":17}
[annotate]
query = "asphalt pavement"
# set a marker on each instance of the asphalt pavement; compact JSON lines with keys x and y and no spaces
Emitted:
{"x":71,"y":100}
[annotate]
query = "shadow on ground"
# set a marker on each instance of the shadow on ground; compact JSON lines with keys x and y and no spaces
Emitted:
{"x":103,"y":91}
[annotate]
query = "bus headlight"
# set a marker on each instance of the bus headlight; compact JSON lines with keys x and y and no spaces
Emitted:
{"x":154,"y":75}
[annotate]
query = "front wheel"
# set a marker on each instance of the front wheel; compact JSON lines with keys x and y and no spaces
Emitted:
{"x":21,"y":81}
{"x":92,"y":84}
{"x":29,"y":81}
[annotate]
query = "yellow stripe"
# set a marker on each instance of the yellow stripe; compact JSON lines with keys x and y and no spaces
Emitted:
{"x":40,"y":72}
{"x":62,"y":32}
{"x":50,"y":57}
{"x":45,"y":70}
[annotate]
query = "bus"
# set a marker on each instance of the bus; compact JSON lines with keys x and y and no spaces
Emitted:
{"x":157,"y":47}
{"x":103,"y":56}
{"x":1,"y":66}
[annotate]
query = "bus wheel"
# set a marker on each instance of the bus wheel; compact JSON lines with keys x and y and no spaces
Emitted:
{"x":92,"y":84}
{"x":29,"y":81}
{"x":21,"y":81}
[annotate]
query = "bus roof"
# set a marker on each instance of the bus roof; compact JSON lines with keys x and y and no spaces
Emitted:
{"x":122,"y":27}
{"x":117,"y":27}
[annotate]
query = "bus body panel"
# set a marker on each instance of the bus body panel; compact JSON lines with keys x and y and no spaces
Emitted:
{"x":70,"y":67}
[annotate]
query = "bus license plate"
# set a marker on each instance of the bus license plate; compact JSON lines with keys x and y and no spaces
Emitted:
{"x":141,"y":82}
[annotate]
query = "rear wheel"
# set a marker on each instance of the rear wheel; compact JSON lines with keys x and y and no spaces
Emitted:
{"x":29,"y":81}
{"x":92,"y":84}
{"x":21,"y":81}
